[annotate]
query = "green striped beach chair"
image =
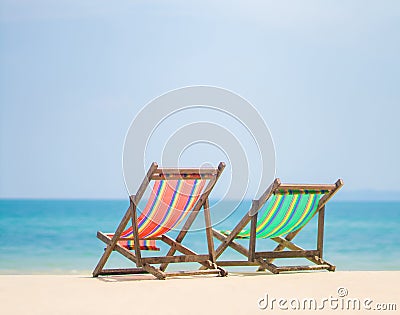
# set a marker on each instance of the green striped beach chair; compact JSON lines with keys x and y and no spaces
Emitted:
{"x":177,"y":197}
{"x":280,"y":214}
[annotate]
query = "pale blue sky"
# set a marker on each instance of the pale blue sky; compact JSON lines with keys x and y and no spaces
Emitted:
{"x":73,"y":74}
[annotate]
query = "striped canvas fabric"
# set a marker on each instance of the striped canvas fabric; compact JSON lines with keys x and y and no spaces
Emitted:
{"x":169,"y":203}
{"x":285,"y":212}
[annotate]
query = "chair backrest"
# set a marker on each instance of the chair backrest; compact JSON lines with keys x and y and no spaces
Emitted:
{"x":175,"y":193}
{"x":169,"y":203}
{"x":289,"y":208}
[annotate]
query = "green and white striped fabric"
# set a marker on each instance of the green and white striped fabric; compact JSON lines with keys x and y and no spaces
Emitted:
{"x":285,"y":212}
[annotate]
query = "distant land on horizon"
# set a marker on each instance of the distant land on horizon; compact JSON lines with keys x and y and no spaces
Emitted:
{"x":368,"y":195}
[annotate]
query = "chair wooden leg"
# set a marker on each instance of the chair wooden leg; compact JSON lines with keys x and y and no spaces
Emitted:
{"x":209,"y":233}
{"x":320,"y":237}
{"x":113,"y":242}
{"x":154,"y":271}
{"x":253,"y":237}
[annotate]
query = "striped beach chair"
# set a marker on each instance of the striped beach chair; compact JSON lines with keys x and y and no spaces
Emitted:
{"x":280,"y":214}
{"x":177,"y":196}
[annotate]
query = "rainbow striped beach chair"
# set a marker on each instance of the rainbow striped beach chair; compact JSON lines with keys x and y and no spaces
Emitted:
{"x":177,"y":195}
{"x":280,"y":214}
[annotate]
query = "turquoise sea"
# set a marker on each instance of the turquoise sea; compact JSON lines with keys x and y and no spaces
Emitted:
{"x":59,"y":236}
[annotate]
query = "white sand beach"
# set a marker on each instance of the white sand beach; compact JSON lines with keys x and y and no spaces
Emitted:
{"x":239,"y":293}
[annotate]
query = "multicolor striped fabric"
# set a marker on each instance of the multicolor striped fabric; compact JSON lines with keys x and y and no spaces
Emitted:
{"x":169,"y":203}
{"x":285,"y":212}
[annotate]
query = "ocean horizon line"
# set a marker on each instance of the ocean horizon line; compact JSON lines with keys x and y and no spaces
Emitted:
{"x":358,"y":195}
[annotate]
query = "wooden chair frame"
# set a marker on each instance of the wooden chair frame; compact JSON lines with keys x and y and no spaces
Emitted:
{"x":144,"y":264}
{"x":264,"y":259}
